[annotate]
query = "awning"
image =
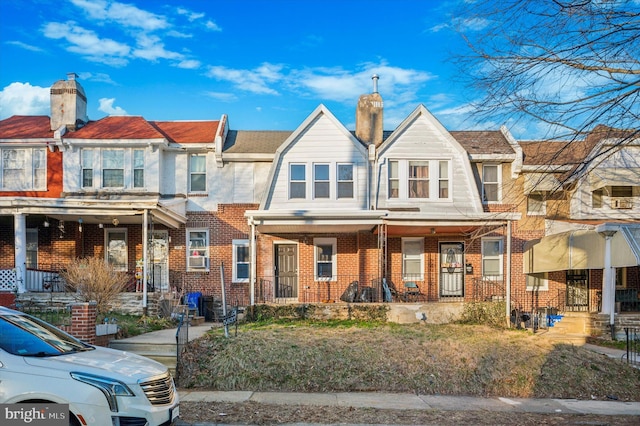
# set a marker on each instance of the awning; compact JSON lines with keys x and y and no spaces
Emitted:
{"x":614,"y":177}
{"x":540,"y":182}
{"x":582,"y":249}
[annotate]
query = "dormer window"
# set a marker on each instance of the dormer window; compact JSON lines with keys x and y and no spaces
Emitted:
{"x":491,"y":178}
{"x":297,"y":181}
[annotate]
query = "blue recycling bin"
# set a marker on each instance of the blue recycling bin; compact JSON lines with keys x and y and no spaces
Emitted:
{"x":193,"y":301}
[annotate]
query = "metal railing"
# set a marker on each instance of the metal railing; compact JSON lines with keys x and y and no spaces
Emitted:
{"x":182,"y":339}
{"x":632,"y":355}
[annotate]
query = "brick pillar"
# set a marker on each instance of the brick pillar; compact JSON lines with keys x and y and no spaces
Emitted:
{"x":7,"y":299}
{"x":83,"y":321}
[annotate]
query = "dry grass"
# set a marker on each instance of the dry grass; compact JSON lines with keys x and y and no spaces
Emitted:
{"x":448,"y":359}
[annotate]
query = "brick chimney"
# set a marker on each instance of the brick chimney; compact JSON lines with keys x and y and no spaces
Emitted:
{"x":68,"y":104}
{"x":369,"y":116}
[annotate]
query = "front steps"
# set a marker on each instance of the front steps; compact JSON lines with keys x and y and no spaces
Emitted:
{"x":572,"y":328}
{"x":163,"y":352}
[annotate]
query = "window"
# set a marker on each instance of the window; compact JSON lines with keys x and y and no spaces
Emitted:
{"x":116,"y":251}
{"x":24,"y":169}
{"x":492,"y":258}
{"x":197,"y":173}
{"x":537,"y":281}
{"x":297,"y":181}
{"x":419,"y":179}
{"x":621,"y":277}
{"x":596,"y":199}
{"x":32,"y":248}
{"x":113,"y":168}
{"x":240,"y":261}
{"x":198,"y":249}
{"x":325,"y":259}
{"x":412,"y":259}
{"x":443,"y":179}
{"x":491,"y":183}
{"x":394,"y":180}
{"x":321,"y":181}
{"x":622,"y":191}
{"x":345,"y":180}
{"x":138,"y":168}
{"x":87,"y":168}
{"x":536,"y":205}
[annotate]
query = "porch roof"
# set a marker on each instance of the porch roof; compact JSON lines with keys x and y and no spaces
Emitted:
{"x":309,"y":222}
{"x":170,"y":213}
{"x":582,"y":249}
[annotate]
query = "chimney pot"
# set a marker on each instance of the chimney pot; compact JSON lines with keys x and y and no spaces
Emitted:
{"x":375,"y":78}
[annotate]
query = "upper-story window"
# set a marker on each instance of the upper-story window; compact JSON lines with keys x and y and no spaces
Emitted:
{"x":491,"y":178}
{"x":138,"y":168}
{"x":197,"y":173}
{"x":345,"y":180}
{"x":297,"y":181}
{"x":87,"y":158}
{"x":321,"y":181}
{"x":24,"y":169}
{"x":419,"y":179}
{"x":536,"y":204}
{"x":113,"y":168}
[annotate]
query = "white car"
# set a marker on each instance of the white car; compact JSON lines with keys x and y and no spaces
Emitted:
{"x":41,"y":364}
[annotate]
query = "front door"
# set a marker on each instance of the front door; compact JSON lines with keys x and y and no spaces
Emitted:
{"x":451,"y":270}
{"x":578,"y":290}
{"x":286,"y":271}
{"x":159,"y":261}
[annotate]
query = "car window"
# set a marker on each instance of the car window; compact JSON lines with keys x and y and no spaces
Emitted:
{"x":27,"y":336}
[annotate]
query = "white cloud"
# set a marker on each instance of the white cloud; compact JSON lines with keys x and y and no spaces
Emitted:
{"x":24,"y":99}
{"x":222,"y":97}
{"x":88,"y":44}
{"x":152,"y":48}
{"x":126,"y":15}
{"x":24,"y":46}
{"x":190,"y":15}
{"x":106,"y":106}
{"x":254,"y":81}
{"x":97,"y":77}
{"x":212,"y":26}
{"x":189,"y":64}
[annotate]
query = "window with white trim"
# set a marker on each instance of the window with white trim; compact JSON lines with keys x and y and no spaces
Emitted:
{"x":491,"y":178}
{"x":197,"y":250}
{"x":197,"y":173}
{"x":321,"y":181}
{"x":240,"y":261}
{"x":324,"y":257}
{"x":345,"y":181}
{"x":297,"y":181}
{"x":113,"y":168}
{"x":23,"y":169}
{"x":537,"y":281}
{"x":32,"y":248}
{"x":138,"y":168}
{"x":426,"y":179}
{"x":492,"y":254}
{"x":87,"y":159}
{"x":536,"y":204}
{"x":413,"y":259}
{"x":116,"y":248}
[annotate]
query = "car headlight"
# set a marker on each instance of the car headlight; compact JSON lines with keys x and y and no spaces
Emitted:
{"x":109,"y":387}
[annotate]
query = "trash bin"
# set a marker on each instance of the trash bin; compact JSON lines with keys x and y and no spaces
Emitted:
{"x":193,"y":302}
{"x":207,"y":307}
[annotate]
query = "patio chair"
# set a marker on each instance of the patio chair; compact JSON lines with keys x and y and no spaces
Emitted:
{"x":412,"y":292}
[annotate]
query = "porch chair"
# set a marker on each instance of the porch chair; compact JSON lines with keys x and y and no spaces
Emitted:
{"x":389,"y":291}
{"x":412,"y":292}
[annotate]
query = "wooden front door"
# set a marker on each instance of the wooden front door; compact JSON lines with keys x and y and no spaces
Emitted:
{"x":286,"y":271}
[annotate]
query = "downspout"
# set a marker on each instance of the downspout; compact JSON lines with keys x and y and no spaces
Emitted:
{"x":252,"y":272}
{"x":145,"y":251}
{"x":508,"y":274}
{"x":20,"y":250}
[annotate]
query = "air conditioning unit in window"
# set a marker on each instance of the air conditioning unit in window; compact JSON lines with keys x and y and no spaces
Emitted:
{"x":621,"y":203}
{"x":198,"y":262}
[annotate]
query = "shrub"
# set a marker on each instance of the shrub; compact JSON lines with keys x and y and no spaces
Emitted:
{"x":95,"y":280}
{"x":487,"y":313}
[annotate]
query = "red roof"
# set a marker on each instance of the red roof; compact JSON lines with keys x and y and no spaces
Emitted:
{"x":26,"y":127}
{"x":187,"y":131}
{"x":116,"y":127}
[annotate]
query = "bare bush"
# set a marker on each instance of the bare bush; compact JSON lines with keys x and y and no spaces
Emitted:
{"x":95,"y":280}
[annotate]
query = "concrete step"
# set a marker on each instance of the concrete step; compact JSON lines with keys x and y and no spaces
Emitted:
{"x":568,"y":338}
{"x":138,"y":347}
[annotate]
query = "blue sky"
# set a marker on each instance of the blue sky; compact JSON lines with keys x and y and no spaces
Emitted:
{"x":267,"y":64}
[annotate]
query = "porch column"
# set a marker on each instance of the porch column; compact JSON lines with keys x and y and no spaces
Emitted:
{"x":608,"y":277}
{"x":252,"y":264}
{"x":20,"y":234}
{"x":145,"y":260}
{"x":508,"y":274}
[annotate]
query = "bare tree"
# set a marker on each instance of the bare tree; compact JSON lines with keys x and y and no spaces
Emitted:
{"x":571,"y":64}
